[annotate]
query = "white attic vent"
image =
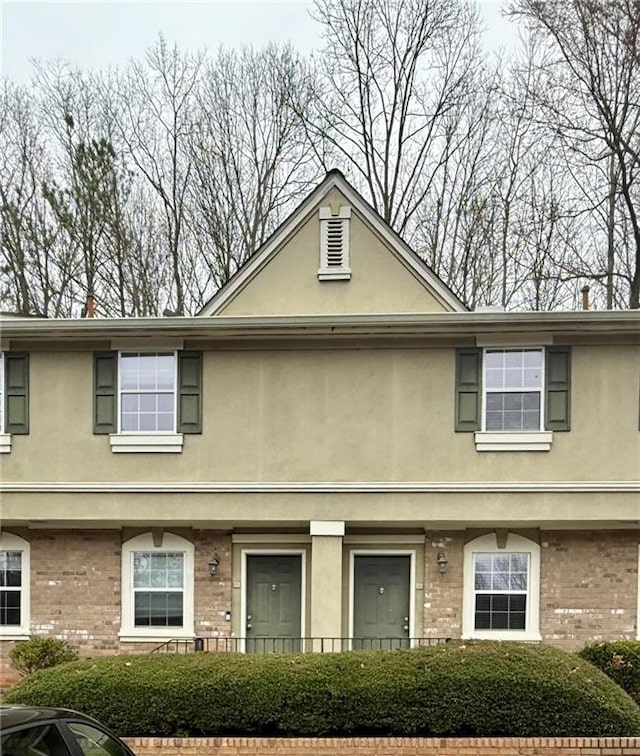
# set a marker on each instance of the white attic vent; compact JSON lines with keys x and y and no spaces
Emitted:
{"x":334,"y":245}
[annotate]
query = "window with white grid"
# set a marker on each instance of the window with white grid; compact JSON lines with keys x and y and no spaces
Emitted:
{"x":158,"y":588}
{"x":513,"y":389}
{"x":500,"y":585}
{"x":14,"y":586}
{"x":501,"y":588}
{"x":10,"y":588}
{"x":147,"y":391}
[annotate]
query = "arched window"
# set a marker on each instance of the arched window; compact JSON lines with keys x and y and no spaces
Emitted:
{"x":157,"y":588}
{"x":501,"y":589}
{"x":15,"y":602}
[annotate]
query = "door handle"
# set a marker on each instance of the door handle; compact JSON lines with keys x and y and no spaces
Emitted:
{"x":406,"y":627}
{"x":248,"y":626}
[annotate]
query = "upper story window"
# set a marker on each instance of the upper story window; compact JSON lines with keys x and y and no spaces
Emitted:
{"x":147,"y":392}
{"x":146,"y":401}
{"x":14,"y":397}
{"x":513,"y":383}
{"x":513,"y":399}
{"x":14,"y":586}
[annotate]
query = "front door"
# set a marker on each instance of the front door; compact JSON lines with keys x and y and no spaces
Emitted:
{"x":273,"y":621}
{"x":381,"y":601}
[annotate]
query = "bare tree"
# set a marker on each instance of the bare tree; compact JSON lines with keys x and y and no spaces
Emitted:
{"x":391,"y":73}
{"x":155,"y":121}
{"x":250,"y":161}
{"x":592,"y":99}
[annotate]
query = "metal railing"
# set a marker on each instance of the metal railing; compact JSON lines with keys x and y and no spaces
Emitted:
{"x":291,"y":645}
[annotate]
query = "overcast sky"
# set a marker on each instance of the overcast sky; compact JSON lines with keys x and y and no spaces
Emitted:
{"x":99,"y":33}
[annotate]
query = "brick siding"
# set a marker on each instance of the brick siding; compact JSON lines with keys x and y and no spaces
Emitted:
{"x":588,"y":588}
{"x":385,"y":746}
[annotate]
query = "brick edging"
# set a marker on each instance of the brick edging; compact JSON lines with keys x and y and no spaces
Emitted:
{"x":372,"y":746}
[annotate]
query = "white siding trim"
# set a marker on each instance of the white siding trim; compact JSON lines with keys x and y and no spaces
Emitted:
{"x":315,"y":487}
{"x":5,"y":443}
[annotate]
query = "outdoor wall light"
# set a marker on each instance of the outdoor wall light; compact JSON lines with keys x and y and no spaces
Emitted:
{"x":213,"y":564}
{"x":442,"y":562}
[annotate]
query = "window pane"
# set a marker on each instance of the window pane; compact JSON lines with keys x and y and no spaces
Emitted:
{"x":45,"y":740}
{"x":158,"y":609}
{"x":507,"y":411}
{"x":10,"y":568}
{"x":10,"y":608}
{"x":500,"y":612}
{"x":94,"y":742}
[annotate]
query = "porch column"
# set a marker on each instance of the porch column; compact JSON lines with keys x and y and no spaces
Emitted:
{"x":326,"y":583}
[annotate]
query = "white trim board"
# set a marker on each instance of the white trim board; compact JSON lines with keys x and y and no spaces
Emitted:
{"x":315,"y":487}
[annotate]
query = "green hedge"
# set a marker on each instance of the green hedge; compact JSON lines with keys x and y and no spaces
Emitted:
{"x":503,"y":689}
{"x":619,"y":660}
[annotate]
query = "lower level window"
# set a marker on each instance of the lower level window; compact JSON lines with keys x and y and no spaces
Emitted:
{"x":14,"y":585}
{"x":10,"y":587}
{"x":501,"y":588}
{"x":500,"y":584}
{"x":158,"y":585}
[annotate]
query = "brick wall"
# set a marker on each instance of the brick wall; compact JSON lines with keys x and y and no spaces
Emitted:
{"x":443,"y":593}
{"x":588,"y":586}
{"x":75,"y":591}
{"x":385,"y":746}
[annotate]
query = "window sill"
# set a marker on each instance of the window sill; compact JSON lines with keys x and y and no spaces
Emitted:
{"x":135,"y":636}
{"x":506,"y":635}
{"x":14,"y":633}
{"x":339,"y":274}
{"x":5,"y":443}
{"x":129,"y":443}
{"x":508,"y":441}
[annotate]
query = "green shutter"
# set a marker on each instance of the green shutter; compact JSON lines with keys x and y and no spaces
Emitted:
{"x":558,"y":388}
{"x":105,"y":380}
{"x":16,"y":381}
{"x":190,"y":392}
{"x":468,"y":383}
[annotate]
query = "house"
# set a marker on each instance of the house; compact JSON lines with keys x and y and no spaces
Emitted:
{"x":334,"y":453}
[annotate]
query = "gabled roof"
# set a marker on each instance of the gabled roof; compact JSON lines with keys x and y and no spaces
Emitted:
{"x":398,"y":247}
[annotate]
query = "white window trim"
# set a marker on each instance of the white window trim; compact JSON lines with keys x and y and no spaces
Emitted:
{"x":411,"y":553}
{"x":5,"y":438}
{"x":122,"y":443}
{"x":496,"y":440}
{"x":325,"y":271}
{"x":302,"y":553}
{"x":129,"y":442}
{"x":11,"y":542}
{"x":128,"y":630}
{"x":510,"y":441}
{"x":488,"y":544}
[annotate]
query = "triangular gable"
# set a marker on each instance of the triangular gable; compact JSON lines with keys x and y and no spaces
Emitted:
{"x":281,"y":278}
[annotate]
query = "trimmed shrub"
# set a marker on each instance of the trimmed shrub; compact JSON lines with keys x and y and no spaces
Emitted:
{"x":619,"y":660}
{"x":505,"y":689}
{"x":40,"y":653}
